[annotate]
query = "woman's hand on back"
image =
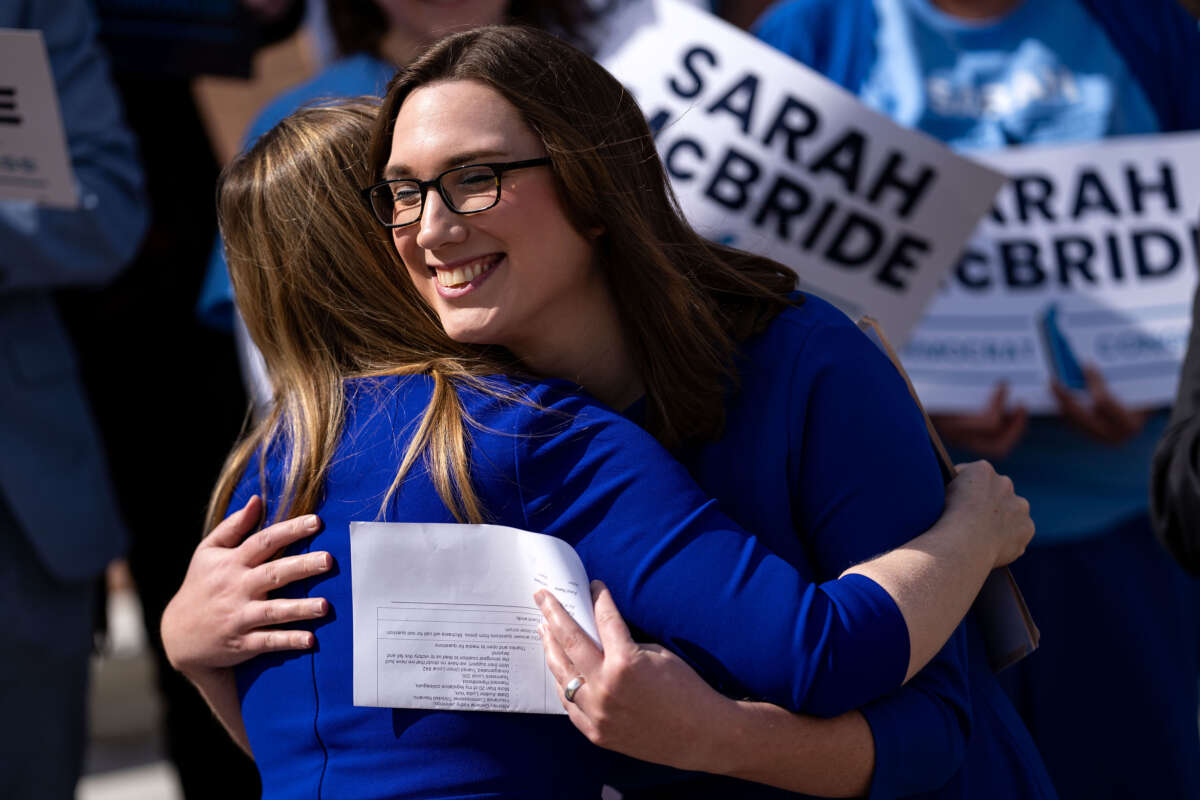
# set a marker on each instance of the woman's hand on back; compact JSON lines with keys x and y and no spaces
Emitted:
{"x":638,"y":699}
{"x":989,"y":506}
{"x":221,"y":615}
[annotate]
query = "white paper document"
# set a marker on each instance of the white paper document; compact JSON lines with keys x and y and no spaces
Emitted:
{"x":34,"y":164}
{"x":444,"y":616}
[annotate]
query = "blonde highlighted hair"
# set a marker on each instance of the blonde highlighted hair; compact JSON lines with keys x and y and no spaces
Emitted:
{"x":325,"y":298}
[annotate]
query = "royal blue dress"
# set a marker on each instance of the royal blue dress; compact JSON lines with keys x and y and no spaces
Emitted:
{"x":753,"y":623}
{"x":825,"y":458}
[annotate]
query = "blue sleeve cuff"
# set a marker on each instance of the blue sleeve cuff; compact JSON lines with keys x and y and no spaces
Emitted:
{"x":921,"y":730}
{"x":871,"y":644}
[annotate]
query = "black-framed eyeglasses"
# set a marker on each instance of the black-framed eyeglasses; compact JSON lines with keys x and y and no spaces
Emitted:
{"x":466,"y":190}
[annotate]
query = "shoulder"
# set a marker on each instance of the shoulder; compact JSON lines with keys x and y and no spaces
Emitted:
{"x":814,"y":331}
{"x":352,"y":76}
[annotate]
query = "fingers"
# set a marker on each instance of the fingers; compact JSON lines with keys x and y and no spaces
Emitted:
{"x":1107,"y":420}
{"x":614,"y":633}
{"x":231,"y":530}
{"x":557,"y":660}
{"x":577,"y":645}
{"x":270,"y":540}
{"x":259,"y":642}
{"x":1122,"y":422}
{"x":1010,"y":433}
{"x":266,"y":613}
{"x":282,"y":571}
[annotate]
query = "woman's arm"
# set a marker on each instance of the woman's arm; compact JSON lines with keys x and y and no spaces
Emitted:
{"x":935,"y":577}
{"x":647,"y":703}
{"x":221,"y":615}
{"x":644,"y":701}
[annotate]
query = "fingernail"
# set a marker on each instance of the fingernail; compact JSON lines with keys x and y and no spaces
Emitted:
{"x":539,"y":596}
{"x":325,"y":561}
{"x":541,"y":629}
{"x":312,"y":522}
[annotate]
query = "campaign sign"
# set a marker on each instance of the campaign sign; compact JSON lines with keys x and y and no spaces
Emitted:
{"x":766,"y":155}
{"x":33,"y":149}
{"x":1089,"y":256}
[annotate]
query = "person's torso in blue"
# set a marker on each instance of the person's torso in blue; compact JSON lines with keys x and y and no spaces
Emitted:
{"x":358,"y":75}
{"x":824,"y":443}
{"x":813,"y":462}
{"x":1048,"y":71}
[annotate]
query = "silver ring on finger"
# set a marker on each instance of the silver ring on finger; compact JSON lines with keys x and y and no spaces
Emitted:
{"x":572,"y":687}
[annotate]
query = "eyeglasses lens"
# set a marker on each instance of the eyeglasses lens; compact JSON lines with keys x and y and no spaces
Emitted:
{"x":400,"y":202}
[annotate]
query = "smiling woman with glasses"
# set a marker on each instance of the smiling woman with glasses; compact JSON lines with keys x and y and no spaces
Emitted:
{"x":393,"y":402}
{"x":467,"y":189}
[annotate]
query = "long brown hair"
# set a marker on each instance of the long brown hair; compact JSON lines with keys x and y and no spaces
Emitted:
{"x":325,"y":297}
{"x":685,"y":303}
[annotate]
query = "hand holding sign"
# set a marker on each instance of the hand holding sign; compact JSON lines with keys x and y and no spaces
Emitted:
{"x":992,"y":432}
{"x":1107,"y":420}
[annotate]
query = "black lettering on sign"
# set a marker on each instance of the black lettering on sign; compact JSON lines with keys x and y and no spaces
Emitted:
{"x":690,"y":65}
{"x":1144,"y":252}
{"x":1115,"y":259}
{"x":8,"y":106}
{"x":739,"y":101}
{"x":671,"y":160}
{"x":1091,"y":194}
{"x":657,"y":121}
{"x":968,"y":278}
{"x":786,"y":199}
{"x":1139,"y":189}
{"x":911,"y":189}
{"x":856,"y":241}
{"x":730,"y":184}
{"x":901,"y":259}
{"x":1021,"y":260}
{"x":1033,"y":192}
{"x":795,"y":120}
{"x":843,"y":158}
{"x":818,"y":226}
{"x":1074,"y":253}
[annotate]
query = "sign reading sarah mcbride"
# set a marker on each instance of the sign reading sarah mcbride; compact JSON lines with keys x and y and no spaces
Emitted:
{"x":33,"y":149}
{"x":767,"y":155}
{"x":1089,"y":257}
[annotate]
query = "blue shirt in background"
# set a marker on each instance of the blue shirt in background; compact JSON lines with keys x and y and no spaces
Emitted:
{"x":1050,"y":71}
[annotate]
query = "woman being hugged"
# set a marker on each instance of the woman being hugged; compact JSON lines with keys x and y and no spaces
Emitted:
{"x":519,"y":229}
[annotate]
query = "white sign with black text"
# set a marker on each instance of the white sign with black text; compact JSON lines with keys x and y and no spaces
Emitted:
{"x":1089,"y":256}
{"x":34,"y":165}
{"x":766,"y":155}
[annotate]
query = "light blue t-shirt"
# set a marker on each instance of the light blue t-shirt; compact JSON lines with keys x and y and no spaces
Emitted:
{"x":1046,"y":71}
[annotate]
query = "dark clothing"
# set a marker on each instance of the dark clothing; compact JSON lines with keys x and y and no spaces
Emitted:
{"x":1175,"y":481}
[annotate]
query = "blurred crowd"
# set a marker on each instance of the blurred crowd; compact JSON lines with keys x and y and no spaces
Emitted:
{"x":127,"y":381}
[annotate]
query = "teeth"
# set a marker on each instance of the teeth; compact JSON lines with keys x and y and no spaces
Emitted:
{"x":465,"y":273}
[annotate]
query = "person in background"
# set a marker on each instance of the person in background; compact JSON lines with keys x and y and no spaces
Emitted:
{"x":59,"y":521}
{"x":1111,"y":696}
{"x":1175,"y":482}
{"x":156,"y":50}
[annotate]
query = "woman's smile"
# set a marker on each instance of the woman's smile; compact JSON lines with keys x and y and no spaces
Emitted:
{"x":461,"y":277}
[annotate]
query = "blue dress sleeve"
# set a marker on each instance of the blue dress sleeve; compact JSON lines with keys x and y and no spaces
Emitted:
{"x":684,"y":574}
{"x":866,"y":480}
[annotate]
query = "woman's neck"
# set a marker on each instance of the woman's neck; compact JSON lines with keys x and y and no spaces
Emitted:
{"x":977,"y":9}
{"x":584,"y":342}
